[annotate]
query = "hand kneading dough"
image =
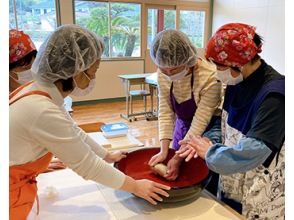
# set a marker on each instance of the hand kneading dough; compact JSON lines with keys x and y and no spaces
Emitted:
{"x":160,"y":169}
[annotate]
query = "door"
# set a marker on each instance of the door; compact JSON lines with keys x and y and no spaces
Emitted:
{"x":192,"y":20}
{"x":159,"y":18}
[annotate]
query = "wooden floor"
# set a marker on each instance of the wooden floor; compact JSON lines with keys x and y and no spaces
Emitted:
{"x":145,"y":131}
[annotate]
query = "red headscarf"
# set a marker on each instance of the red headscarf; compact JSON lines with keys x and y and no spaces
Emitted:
{"x":20,"y":44}
{"x":232,"y":45}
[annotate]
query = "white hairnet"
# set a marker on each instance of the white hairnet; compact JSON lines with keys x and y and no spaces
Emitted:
{"x":69,"y":50}
{"x":172,"y":48}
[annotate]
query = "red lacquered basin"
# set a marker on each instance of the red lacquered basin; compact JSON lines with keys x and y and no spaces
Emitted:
{"x":194,"y":175}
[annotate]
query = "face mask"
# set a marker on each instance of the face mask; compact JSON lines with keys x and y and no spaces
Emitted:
{"x":227,"y":78}
{"x":82,"y":92}
{"x":179,"y":75}
{"x":23,"y":77}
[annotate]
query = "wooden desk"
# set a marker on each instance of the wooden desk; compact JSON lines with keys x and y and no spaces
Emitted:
{"x":151,"y":80}
{"x":129,"y":80}
{"x":91,"y":126}
{"x":80,"y":199}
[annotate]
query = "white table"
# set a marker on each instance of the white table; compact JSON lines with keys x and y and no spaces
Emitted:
{"x":79,"y":199}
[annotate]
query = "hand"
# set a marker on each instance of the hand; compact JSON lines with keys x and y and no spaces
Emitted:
{"x":150,"y":190}
{"x":157,"y":158}
{"x":55,"y":164}
{"x":115,"y":156}
{"x":173,"y":168}
{"x":186,"y":151}
{"x":200,"y":144}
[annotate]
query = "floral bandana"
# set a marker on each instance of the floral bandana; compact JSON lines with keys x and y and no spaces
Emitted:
{"x":232,"y":45}
{"x":20,"y":44}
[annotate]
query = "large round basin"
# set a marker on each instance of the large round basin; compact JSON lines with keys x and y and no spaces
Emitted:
{"x":194,"y":175}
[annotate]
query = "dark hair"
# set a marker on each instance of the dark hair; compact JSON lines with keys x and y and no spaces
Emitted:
{"x":258,"y":41}
{"x":67,"y":84}
{"x":27,"y":59}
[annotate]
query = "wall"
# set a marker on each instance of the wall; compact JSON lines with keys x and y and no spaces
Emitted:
{"x":269,"y":18}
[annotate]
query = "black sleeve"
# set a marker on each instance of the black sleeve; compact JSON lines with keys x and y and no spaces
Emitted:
{"x":269,"y":124}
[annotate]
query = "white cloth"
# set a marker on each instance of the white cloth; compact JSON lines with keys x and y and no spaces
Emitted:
{"x":39,"y":125}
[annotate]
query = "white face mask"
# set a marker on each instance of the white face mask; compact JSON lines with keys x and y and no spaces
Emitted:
{"x":227,"y":78}
{"x":82,"y":92}
{"x":179,"y":75}
{"x":23,"y":77}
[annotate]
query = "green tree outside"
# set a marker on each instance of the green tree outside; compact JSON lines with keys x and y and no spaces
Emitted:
{"x":124,"y":28}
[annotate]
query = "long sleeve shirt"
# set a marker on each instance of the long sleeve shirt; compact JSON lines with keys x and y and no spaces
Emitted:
{"x":39,"y":125}
{"x":207,"y":92}
{"x":246,"y":155}
{"x":266,"y":135}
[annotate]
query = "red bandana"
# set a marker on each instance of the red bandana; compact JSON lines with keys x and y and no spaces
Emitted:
{"x":232,"y":45}
{"x":20,"y":44}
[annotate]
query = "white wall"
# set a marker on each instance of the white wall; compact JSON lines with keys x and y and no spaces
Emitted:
{"x":269,"y":18}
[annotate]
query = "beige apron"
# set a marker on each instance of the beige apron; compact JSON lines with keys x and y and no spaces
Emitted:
{"x":261,"y":191}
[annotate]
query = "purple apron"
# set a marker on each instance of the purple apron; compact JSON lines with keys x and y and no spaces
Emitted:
{"x":184,"y":112}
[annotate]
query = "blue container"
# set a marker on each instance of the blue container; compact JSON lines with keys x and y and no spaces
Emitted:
{"x":115,"y":129}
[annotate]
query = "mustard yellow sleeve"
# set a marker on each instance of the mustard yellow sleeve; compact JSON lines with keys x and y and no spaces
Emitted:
{"x":209,"y":93}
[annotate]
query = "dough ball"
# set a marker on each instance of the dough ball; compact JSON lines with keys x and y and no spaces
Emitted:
{"x":160,"y":169}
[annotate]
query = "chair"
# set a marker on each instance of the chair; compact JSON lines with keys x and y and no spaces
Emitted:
{"x":139,"y":93}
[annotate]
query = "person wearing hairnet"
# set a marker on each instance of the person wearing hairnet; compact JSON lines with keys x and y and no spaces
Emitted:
{"x":251,"y":159}
{"x":40,"y":126}
{"x":189,"y":96}
{"x":22,"y":53}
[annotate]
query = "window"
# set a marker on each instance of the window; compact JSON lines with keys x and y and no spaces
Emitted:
{"x":117,"y":23}
{"x":159,"y":20}
{"x":37,"y":18}
{"x":192,"y":23}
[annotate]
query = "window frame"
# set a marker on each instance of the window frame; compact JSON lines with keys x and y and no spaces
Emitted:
{"x":206,"y":22}
{"x":57,"y":14}
{"x":109,"y":27}
{"x":187,"y":6}
{"x":163,"y":4}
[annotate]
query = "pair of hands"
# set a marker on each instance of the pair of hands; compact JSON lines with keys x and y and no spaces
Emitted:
{"x":192,"y":148}
{"x":173,"y":165}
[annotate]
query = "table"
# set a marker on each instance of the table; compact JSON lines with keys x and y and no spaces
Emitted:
{"x":80,"y":199}
{"x":126,"y":142}
{"x":129,"y":80}
{"x":151,"y":80}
